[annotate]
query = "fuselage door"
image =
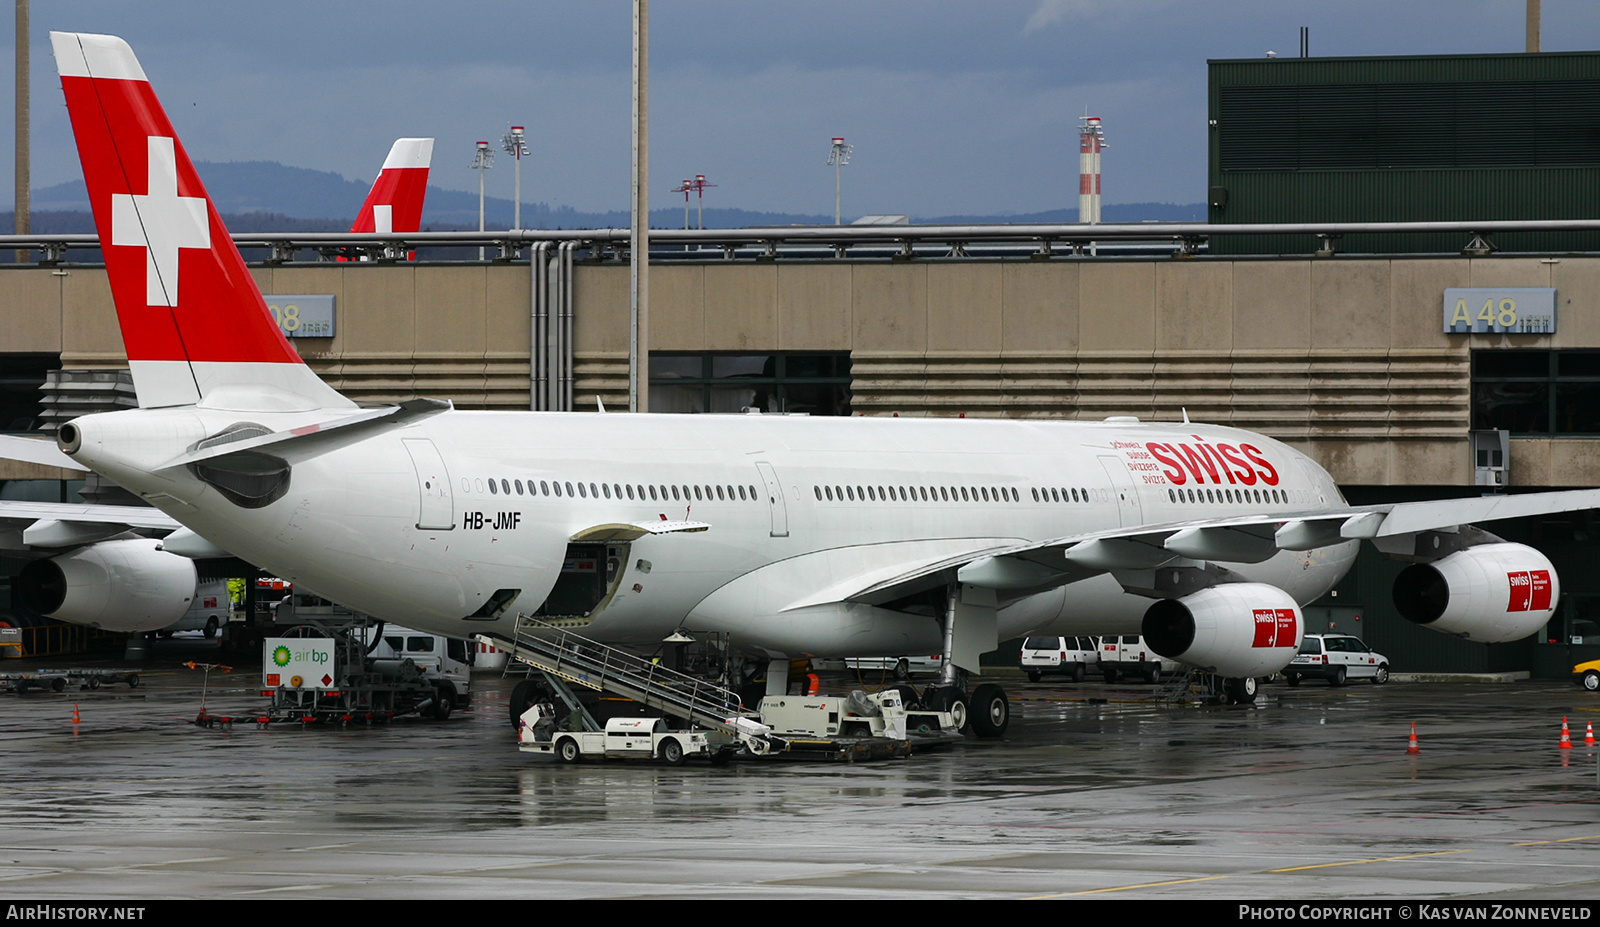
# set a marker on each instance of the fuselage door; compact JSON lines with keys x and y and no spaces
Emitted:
{"x":437,"y":510}
{"x":1123,"y":492}
{"x":780,"y":512}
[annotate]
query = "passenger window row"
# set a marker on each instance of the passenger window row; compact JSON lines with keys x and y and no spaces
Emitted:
{"x":1061,"y":494}
{"x":915,"y":493}
{"x":620,"y":491}
{"x":837,"y":493}
{"x":1229,"y":496}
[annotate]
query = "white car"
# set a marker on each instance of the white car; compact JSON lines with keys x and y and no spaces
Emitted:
{"x":901,"y":667}
{"x":1337,"y":658}
{"x":1069,"y":656}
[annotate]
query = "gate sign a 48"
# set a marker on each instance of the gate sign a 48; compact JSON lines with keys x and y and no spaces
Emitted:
{"x":1512,"y":310}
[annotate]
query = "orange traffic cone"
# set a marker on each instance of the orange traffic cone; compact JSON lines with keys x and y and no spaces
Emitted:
{"x":74,"y":712}
{"x":1588,"y":734}
{"x":1566,"y":738}
{"x":1412,"y":748}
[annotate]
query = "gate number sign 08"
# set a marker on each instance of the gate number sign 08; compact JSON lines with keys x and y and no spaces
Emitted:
{"x":303,"y":316}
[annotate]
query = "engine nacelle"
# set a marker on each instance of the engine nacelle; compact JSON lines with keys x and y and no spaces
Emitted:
{"x":125,"y":585}
{"x":1235,"y":629}
{"x":1489,"y":593}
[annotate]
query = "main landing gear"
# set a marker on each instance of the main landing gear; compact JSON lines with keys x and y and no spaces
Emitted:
{"x":986,"y":711}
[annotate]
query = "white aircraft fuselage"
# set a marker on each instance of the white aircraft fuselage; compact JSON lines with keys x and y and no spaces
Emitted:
{"x":795,"y":505}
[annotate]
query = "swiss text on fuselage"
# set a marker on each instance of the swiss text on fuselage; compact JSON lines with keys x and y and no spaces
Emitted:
{"x":1203,"y":462}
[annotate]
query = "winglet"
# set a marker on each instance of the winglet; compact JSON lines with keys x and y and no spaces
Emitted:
{"x":194,"y":324}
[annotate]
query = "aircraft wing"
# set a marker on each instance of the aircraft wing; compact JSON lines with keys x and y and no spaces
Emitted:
{"x":1036,"y":566}
{"x":1443,"y":514}
{"x":26,"y":526}
{"x":131,"y":516}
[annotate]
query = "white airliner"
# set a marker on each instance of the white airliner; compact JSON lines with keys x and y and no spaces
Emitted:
{"x":795,"y":536}
{"x":124,"y":581}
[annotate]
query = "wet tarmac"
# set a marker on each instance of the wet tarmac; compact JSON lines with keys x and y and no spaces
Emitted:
{"x":1096,"y":791}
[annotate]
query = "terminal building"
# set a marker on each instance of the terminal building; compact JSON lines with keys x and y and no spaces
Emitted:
{"x":1410,"y":365}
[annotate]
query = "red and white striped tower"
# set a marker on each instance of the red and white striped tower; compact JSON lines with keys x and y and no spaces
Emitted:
{"x":1091,"y":141}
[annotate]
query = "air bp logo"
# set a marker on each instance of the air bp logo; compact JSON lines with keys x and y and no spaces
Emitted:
{"x":308,"y":658}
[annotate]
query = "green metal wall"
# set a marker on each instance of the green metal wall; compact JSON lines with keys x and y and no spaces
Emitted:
{"x":1495,"y":137}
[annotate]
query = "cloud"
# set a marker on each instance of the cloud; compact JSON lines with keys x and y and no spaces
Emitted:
{"x":1053,"y":12}
{"x":954,"y":106}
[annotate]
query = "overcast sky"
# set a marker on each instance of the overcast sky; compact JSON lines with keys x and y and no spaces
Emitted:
{"x":953,"y":107}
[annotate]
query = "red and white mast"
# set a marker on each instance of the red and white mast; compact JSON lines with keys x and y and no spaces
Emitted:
{"x":1091,"y":141}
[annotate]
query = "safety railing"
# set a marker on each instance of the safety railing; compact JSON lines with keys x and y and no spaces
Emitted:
{"x":586,"y":662}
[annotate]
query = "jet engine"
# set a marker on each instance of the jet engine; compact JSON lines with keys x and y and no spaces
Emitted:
{"x":124,"y":585}
{"x":1489,"y":593}
{"x":1233,"y":629}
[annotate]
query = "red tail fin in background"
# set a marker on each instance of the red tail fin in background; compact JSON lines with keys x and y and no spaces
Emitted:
{"x":395,"y":201}
{"x":193,"y":321}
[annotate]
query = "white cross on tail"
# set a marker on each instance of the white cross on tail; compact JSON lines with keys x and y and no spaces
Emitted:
{"x":160,"y":221}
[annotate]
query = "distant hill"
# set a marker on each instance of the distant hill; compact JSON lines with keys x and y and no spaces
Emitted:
{"x":1110,"y":212}
{"x":80,"y":222}
{"x":245,"y":186}
{"x":260,"y":196}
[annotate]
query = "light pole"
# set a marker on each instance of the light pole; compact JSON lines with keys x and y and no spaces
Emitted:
{"x":23,"y":158}
{"x":700,"y":198}
{"x":684,"y":188}
{"x":480,"y":163}
{"x":639,"y":233}
{"x":697,"y":186}
{"x":515,"y":145}
{"x":838,"y":156}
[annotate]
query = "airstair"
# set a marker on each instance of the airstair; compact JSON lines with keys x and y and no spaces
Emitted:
{"x":1180,"y":687}
{"x":577,"y":659}
{"x":1193,"y":685}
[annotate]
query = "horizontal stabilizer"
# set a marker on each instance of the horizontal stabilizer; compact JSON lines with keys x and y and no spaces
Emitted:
{"x":37,"y":451}
{"x":310,"y":441}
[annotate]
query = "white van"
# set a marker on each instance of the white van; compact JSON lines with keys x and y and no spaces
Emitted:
{"x":208,"y":612}
{"x":1129,"y":655}
{"x":1070,"y":656}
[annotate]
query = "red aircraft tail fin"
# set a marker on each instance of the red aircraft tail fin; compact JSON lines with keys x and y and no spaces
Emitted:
{"x":195,"y":326}
{"x":395,"y":201}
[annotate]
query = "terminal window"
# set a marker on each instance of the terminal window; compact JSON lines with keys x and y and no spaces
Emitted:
{"x":783,"y":381}
{"x":1537,"y":392}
